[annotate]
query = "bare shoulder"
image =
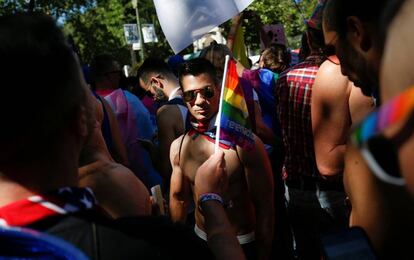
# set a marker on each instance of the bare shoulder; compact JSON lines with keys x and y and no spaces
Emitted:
{"x":109,"y":175}
{"x":93,"y":171}
{"x":330,"y":85}
{"x":328,"y":67}
{"x":102,"y":172}
{"x":175,"y":146}
{"x":330,"y":70}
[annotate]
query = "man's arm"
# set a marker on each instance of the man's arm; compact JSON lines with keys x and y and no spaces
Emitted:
{"x":260,"y":184}
{"x":211,"y":177}
{"x":180,"y":190}
{"x":169,"y":122}
{"x":235,"y":24}
{"x":330,"y":118}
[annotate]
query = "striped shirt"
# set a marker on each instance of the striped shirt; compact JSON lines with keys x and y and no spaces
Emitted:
{"x":293,"y":93}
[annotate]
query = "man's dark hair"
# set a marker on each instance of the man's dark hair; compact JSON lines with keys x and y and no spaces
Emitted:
{"x":151,"y":66}
{"x":196,"y":67}
{"x":316,"y":44}
{"x":100,"y":65}
{"x":336,"y":12}
{"x":316,"y":40}
{"x":38,"y":105}
{"x":304,"y":48}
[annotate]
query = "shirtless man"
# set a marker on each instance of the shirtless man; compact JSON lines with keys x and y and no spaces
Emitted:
{"x":382,"y":209}
{"x":250,"y":193}
{"x":336,"y":105}
{"x":155,"y":77}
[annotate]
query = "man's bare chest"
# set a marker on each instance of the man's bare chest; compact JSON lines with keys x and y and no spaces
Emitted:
{"x":197,"y":149}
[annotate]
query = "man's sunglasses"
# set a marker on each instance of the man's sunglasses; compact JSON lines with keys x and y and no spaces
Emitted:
{"x":190,"y":95}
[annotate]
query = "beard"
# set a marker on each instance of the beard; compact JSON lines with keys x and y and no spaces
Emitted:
{"x":159,"y":95}
{"x":360,"y":71}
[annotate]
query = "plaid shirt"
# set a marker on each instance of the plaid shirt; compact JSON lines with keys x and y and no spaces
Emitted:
{"x":293,"y":93}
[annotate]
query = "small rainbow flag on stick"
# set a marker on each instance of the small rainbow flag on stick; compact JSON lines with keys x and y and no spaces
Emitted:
{"x":233,"y":123}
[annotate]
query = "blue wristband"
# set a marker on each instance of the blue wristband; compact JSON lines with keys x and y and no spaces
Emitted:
{"x":209,"y":196}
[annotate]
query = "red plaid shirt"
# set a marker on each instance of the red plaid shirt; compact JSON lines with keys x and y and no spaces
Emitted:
{"x":293,"y":93}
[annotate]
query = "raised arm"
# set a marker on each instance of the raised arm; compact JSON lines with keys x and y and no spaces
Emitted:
{"x":260,"y":184}
{"x":235,"y":24}
{"x":180,"y":190}
{"x":330,"y":118}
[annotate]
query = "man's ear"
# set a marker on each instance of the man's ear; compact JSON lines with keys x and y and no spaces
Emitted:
{"x":156,"y":82}
{"x":358,"y":35}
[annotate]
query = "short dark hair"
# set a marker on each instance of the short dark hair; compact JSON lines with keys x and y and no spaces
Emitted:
{"x":154,"y":65}
{"x":315,"y":40}
{"x":100,"y":65}
{"x":37,"y":106}
{"x":336,"y":12}
{"x":196,"y":67}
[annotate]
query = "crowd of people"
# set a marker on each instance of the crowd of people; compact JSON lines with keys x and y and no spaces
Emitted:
{"x":84,"y":146}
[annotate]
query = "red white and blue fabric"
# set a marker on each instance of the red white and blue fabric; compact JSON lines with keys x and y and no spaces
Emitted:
{"x":293,"y":94}
{"x":38,"y":207}
{"x":208,"y":131}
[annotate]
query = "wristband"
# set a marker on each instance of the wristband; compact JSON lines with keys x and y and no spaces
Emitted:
{"x":209,"y":196}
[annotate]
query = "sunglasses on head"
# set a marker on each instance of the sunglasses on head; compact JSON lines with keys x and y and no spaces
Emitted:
{"x":207,"y":92}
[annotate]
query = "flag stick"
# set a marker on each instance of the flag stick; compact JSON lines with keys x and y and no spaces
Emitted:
{"x":218,"y":120}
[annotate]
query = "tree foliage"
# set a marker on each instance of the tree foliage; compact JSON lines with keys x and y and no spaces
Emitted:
{"x":292,"y":14}
{"x":96,"y":26}
{"x":55,"y":8}
{"x":100,"y":30}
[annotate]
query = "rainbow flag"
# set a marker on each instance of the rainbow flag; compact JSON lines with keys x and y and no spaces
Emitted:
{"x":235,"y":124}
{"x":396,"y":110}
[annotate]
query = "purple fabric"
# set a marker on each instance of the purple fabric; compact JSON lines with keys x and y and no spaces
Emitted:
{"x":263,"y":81}
{"x":134,"y":126}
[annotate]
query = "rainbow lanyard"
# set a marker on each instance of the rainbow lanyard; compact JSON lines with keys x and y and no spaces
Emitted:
{"x":396,"y":110}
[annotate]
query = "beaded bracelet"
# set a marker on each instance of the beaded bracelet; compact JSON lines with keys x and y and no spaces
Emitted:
{"x":209,"y":196}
